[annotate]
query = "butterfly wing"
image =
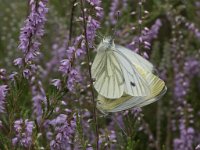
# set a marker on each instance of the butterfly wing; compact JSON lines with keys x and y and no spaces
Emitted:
{"x":115,"y":74}
{"x":135,"y":84}
{"x":106,"y":71}
{"x":136,"y":58}
{"x":157,"y":87}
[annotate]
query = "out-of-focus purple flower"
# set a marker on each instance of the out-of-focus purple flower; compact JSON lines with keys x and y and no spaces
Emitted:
{"x":32,"y":30}
{"x":124,"y":4}
{"x":61,"y":137}
{"x":107,"y":138}
{"x":56,"y":83}
{"x":193,"y":28}
{"x":30,"y":36}
{"x":3,"y":74}
{"x":136,"y":112}
{"x":27,"y":73}
{"x":185,"y":142}
{"x":113,"y":11}
{"x":1,"y":125}
{"x":58,"y":53}
{"x":146,"y":38}
{"x":3,"y":92}
{"x":23,"y":136}
{"x":74,"y":77}
{"x":181,"y":86}
{"x":197,"y":147}
{"x":38,"y":98}
{"x":97,"y":6}
{"x":65,"y":65}
{"x":192,"y":67}
{"x":18,"y":62}
{"x":117,"y":6}
{"x":92,"y":26}
{"x":182,"y":77}
{"x":182,"y":80}
{"x":12,"y":75}
{"x":93,"y":22}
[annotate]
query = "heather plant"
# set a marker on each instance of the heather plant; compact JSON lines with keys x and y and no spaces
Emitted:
{"x":47,"y":99}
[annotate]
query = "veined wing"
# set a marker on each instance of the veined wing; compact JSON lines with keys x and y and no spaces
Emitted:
{"x":135,"y":84}
{"x":106,"y":71}
{"x":157,"y":87}
{"x":135,"y":58}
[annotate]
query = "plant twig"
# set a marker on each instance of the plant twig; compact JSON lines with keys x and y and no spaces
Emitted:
{"x":71,"y":21}
{"x":90,"y":76}
{"x":158,"y":124}
{"x":139,"y":24}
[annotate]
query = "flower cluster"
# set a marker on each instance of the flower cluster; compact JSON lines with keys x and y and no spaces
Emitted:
{"x":113,"y":10}
{"x":67,"y":65}
{"x":185,"y":142}
{"x":24,"y":130}
{"x":146,"y":37}
{"x":38,"y":97}
{"x":32,"y":31}
{"x":64,"y":118}
{"x":93,"y":21}
{"x":64,"y":129}
{"x":3,"y":92}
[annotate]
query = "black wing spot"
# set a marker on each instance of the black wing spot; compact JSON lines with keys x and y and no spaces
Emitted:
{"x":133,"y":84}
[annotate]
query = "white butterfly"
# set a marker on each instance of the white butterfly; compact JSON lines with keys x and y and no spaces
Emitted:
{"x":123,"y":78}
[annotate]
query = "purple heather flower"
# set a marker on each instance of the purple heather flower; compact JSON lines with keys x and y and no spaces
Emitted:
{"x":92,"y":26}
{"x":2,"y":74}
{"x":125,"y":4}
{"x":116,"y":8}
{"x":97,"y":5}
{"x":146,"y":38}
{"x":74,"y":77}
{"x":113,"y":11}
{"x":197,"y":147}
{"x":193,"y":28}
{"x":65,"y":66}
{"x":32,"y":30}
{"x":38,"y":98}
{"x":136,"y":112}
{"x":3,"y":92}
{"x":56,"y":83}
{"x":18,"y":62}
{"x":93,"y":21}
{"x":107,"y":138}
{"x":26,"y":73}
{"x":58,"y":53}
{"x":94,"y":2}
{"x":63,"y":131}
{"x":192,"y":67}
{"x":2,"y":71}
{"x":23,"y":136}
{"x":185,"y":142}
{"x":1,"y":125}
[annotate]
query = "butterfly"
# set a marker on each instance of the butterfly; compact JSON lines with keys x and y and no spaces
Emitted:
{"x":123,"y":78}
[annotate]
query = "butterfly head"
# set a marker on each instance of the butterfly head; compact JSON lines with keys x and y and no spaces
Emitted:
{"x":106,"y":44}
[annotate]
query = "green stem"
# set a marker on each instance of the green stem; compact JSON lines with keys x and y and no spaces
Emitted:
{"x":90,"y":76}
